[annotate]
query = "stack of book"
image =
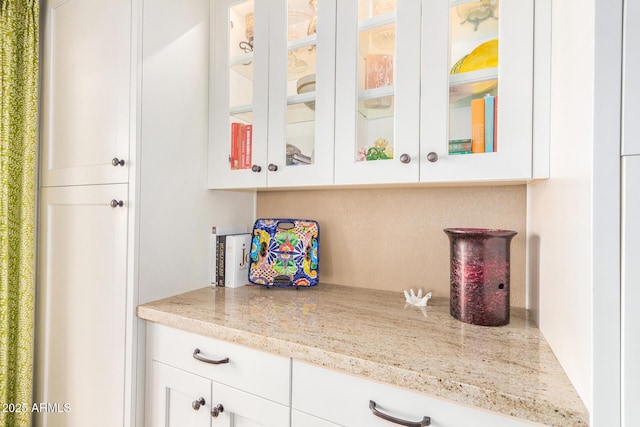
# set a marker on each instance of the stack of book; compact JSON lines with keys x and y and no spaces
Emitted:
{"x":241,"y":146}
{"x":230,"y":256}
{"x":460,"y":146}
{"x":484,"y":123}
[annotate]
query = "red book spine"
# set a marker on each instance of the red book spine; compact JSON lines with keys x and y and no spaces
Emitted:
{"x":233,"y":157}
{"x":240,"y":145}
{"x":248,"y":145}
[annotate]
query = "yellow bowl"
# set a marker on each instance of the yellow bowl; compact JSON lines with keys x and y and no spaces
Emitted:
{"x":483,"y":56}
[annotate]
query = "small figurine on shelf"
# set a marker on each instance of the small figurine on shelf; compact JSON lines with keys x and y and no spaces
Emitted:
{"x":381,"y":150}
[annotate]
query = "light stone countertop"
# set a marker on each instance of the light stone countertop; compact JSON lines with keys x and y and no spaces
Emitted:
{"x":370,"y":333}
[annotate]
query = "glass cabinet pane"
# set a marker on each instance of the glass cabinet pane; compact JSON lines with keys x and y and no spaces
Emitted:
{"x":473,"y":78}
{"x":241,"y":73}
{"x":302,"y":24}
{"x":375,"y":71}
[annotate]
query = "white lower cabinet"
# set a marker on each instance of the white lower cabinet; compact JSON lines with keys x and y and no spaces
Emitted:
{"x":322,"y":397}
{"x":199,"y":381}
{"x":184,"y":398}
{"x":196,"y":381}
{"x":81,"y":309}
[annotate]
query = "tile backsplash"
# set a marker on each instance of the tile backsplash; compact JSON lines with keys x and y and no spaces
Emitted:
{"x":392,"y":238}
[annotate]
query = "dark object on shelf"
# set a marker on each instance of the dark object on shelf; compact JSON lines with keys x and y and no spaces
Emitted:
{"x":480,"y":272}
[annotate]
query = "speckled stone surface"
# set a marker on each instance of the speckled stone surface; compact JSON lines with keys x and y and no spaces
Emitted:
{"x":370,"y":333}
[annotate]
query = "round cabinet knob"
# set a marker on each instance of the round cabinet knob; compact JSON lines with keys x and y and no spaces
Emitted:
{"x":432,"y":157}
{"x":116,"y":203}
{"x":196,"y":404}
{"x":405,"y":158}
{"x":117,"y":162}
{"x":273,"y":167}
{"x":216,"y":410}
{"x":256,"y":168}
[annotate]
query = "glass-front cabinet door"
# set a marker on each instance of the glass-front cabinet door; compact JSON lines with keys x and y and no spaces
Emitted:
{"x":301,"y":93}
{"x":377,"y":91}
{"x":239,"y":93}
{"x":477,"y":90}
{"x":273,"y":65}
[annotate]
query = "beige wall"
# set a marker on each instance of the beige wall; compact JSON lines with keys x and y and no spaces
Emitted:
{"x":392,"y":238}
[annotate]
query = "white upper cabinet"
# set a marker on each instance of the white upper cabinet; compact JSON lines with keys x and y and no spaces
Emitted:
{"x":85,"y":96}
{"x":273,"y":93}
{"x":377,"y":92}
{"x":477,"y":91}
{"x":407,"y":92}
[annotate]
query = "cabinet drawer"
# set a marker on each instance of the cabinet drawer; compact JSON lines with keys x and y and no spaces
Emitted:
{"x":344,"y":400}
{"x":250,"y":370}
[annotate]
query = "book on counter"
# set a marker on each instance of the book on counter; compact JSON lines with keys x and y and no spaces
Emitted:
{"x":217,"y":240}
{"x":237,"y":257}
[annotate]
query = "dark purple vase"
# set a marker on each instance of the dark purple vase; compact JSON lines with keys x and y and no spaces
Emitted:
{"x":480,"y":275}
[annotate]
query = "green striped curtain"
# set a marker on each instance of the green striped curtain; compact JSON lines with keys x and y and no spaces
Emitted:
{"x":18,"y":136}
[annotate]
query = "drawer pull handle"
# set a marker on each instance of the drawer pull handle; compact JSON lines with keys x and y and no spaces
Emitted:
{"x":216,"y":410}
{"x":196,"y":355}
{"x":196,"y":404}
{"x":426,"y":421}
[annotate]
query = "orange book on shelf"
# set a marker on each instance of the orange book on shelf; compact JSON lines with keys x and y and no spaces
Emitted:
{"x":477,"y":125}
{"x":233,"y":157}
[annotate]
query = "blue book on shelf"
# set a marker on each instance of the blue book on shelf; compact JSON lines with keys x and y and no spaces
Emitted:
{"x":489,"y":111}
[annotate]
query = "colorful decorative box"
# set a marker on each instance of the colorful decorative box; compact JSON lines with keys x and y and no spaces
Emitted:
{"x":285,"y":252}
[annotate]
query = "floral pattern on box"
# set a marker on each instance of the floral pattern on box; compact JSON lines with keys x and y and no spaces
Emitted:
{"x":285,"y":252}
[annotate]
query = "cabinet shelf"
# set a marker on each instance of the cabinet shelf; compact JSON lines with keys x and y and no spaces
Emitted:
{"x":302,"y":42}
{"x":377,"y":21}
{"x":301,"y":108}
{"x":242,"y":112}
{"x":473,"y":76}
{"x":454,"y":3}
{"x":376,"y":103}
{"x":243,"y":64}
{"x":464,"y":86}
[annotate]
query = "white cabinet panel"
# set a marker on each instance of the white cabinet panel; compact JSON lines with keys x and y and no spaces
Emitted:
{"x":179,"y":393}
{"x":631,"y":79}
{"x":345,"y":400}
{"x":243,"y":409}
{"x":81,"y":304}
{"x":630,"y":291}
{"x":86,"y":87}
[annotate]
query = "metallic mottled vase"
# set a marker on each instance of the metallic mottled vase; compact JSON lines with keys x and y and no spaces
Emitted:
{"x":480,"y":275}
